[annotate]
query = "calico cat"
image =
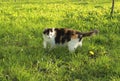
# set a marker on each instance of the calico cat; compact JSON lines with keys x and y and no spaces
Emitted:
{"x":64,"y":36}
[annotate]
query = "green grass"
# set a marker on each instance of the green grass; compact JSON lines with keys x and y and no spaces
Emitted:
{"x":22,"y":57}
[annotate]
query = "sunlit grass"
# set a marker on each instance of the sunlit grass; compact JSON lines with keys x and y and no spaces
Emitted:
{"x":23,"y":58}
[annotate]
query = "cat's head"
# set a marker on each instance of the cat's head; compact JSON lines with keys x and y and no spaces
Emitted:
{"x":49,"y":32}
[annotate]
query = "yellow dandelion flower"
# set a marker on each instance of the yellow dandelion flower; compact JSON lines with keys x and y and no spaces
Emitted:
{"x":91,"y":52}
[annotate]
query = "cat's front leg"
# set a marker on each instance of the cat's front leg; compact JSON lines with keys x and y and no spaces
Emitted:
{"x":52,"y":46}
{"x":45,"y":44}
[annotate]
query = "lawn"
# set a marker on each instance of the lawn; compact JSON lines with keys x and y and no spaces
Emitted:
{"x":23,"y":58}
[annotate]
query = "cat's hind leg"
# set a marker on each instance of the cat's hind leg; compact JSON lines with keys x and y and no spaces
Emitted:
{"x":80,"y":43}
{"x":71,"y":49}
{"x":73,"y":44}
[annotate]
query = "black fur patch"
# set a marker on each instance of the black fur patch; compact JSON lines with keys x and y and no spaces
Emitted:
{"x":46,"y":31}
{"x":63,"y":35}
{"x":59,"y":35}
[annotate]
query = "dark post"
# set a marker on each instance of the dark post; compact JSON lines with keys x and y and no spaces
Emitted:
{"x":112,"y":9}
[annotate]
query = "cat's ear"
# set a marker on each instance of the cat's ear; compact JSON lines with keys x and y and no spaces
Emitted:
{"x":45,"y":31}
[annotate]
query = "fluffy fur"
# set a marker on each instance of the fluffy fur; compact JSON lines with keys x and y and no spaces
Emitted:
{"x":64,"y":36}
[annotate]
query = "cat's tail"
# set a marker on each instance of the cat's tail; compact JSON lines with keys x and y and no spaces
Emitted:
{"x":90,"y":33}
